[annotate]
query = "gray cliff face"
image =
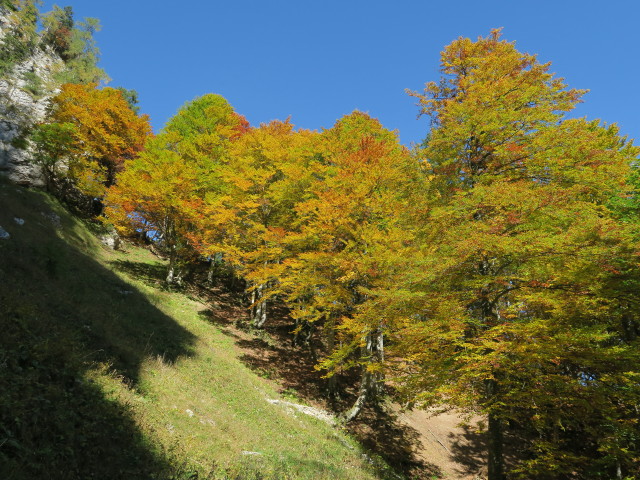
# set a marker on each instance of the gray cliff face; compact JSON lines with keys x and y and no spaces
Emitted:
{"x":24,"y":98}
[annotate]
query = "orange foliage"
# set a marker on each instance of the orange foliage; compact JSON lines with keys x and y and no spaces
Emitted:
{"x":106,"y":133}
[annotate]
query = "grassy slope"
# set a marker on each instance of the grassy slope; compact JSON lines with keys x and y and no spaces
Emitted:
{"x":105,"y":375}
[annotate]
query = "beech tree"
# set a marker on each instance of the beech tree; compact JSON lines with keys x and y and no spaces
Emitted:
{"x":520,"y":318}
{"x":494,"y":271}
{"x":350,"y":246}
{"x":162,"y":190}
{"x":265,"y":177}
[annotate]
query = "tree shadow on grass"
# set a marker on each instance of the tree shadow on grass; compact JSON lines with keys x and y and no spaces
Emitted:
{"x":62,"y":316}
{"x":149,"y":273}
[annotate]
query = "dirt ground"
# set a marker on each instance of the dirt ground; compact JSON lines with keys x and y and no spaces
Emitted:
{"x":446,"y":440}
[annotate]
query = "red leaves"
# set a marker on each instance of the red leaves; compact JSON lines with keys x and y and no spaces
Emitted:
{"x":514,"y":147}
{"x":242,"y":126}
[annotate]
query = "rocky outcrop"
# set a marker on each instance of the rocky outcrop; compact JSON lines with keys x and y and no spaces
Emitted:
{"x":24,"y":98}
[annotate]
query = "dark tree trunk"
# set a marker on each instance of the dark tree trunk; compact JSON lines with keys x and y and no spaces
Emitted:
{"x":303,"y":336}
{"x":211,"y":272}
{"x":496,"y":455}
{"x":495,"y":442}
{"x":332,"y":381}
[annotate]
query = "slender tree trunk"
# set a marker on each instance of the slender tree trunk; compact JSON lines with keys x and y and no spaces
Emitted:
{"x":308,"y":339}
{"x":173,"y":275}
{"x":233,"y":282}
{"x":295,"y":340}
{"x":363,"y":394}
{"x":332,"y":381}
{"x":212,"y":271}
{"x":496,"y":455}
{"x":379,"y":348}
{"x":304,"y":336}
{"x":371,"y":385}
{"x":258,"y":307}
{"x":630,"y":327}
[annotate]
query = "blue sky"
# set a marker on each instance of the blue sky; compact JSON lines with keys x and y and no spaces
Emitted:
{"x":318,"y":60}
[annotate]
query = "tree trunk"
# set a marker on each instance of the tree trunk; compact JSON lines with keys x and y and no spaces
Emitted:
{"x":365,"y":389}
{"x":371,"y":385}
{"x":496,"y":456}
{"x":304,"y":336}
{"x":332,"y":381}
{"x":211,"y":272}
{"x":258,"y":307}
{"x":173,"y":275}
{"x":215,"y":266}
{"x":630,"y":327}
{"x":495,"y":440}
{"x":234,"y":282}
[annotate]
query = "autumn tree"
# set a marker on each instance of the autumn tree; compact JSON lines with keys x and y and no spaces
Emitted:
{"x":265,"y":177}
{"x":162,"y":190}
{"x":89,"y":134}
{"x":58,"y":27}
{"x":350,"y":244}
{"x":74,"y":42}
{"x":521,"y":315}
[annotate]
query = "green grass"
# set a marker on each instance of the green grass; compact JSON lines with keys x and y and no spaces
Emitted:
{"x":104,"y":374}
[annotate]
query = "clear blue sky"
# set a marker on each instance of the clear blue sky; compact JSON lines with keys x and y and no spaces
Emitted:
{"x":316,"y":61}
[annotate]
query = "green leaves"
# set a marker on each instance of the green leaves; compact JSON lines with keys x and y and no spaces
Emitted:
{"x":74,"y":42}
{"x":163,"y":190}
{"x":20,"y":36}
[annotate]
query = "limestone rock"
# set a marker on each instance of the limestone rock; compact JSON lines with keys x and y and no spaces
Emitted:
{"x":111,"y":240}
{"x":311,"y":411}
{"x":21,"y":107}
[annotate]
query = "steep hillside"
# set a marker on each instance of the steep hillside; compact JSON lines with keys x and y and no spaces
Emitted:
{"x":103,"y":374}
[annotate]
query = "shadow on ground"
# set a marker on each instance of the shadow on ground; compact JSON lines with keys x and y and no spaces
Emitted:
{"x":469,"y":450}
{"x":150,"y":274}
{"x":63,"y":315}
{"x":381,"y":431}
